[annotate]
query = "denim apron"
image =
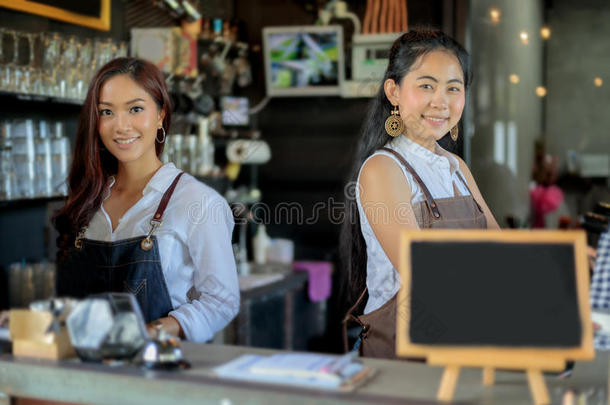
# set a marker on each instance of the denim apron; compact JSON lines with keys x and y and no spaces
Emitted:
{"x":129,"y":265}
{"x":378,"y":335}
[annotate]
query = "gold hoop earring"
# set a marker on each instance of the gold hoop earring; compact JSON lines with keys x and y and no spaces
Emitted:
{"x":157,"y":137}
{"x":454,"y":133}
{"x":393,"y":124}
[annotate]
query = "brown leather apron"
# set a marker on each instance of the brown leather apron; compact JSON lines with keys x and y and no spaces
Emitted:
{"x":378,"y":335}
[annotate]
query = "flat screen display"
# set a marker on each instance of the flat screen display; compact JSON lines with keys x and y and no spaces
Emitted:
{"x":303,"y":61}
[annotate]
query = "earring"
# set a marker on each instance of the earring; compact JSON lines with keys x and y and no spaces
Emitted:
{"x":393,"y":124}
{"x":157,"y":137}
{"x":454,"y":133}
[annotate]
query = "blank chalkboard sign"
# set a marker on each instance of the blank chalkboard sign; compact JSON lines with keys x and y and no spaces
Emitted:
{"x":90,"y":13}
{"x":499,"y":294}
{"x":511,"y":299}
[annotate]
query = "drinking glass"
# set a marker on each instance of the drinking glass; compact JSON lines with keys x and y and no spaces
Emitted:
{"x":35,"y":75}
{"x":28,"y":75}
{"x":24,"y":157}
{"x":51,"y":50}
{"x":7,"y":172}
{"x":60,"y":149}
{"x":43,"y":174}
{"x":9,"y":69}
{"x":3,"y":61}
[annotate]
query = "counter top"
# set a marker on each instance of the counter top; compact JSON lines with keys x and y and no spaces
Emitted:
{"x":396,"y":382}
{"x":268,"y":279}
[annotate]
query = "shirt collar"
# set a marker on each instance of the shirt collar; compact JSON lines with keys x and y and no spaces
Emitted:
{"x":410,"y":147}
{"x":160,"y":181}
{"x":109,"y":183}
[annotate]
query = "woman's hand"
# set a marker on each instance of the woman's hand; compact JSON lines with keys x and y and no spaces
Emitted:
{"x":168,"y":324}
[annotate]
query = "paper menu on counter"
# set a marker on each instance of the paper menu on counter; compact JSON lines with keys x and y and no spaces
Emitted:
{"x":303,"y":370}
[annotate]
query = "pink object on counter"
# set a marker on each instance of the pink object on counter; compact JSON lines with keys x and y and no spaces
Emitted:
{"x":319,"y":278}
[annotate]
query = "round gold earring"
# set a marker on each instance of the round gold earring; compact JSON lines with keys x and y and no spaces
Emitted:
{"x":454,"y":133}
{"x":393,"y":124}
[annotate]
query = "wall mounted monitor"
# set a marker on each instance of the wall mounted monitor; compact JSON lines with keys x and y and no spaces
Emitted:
{"x":303,"y":60}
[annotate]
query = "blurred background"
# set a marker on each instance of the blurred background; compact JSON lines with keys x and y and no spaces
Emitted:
{"x":269,"y":98}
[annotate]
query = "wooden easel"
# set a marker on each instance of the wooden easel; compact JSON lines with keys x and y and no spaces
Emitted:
{"x":532,"y":367}
{"x":534,"y":378}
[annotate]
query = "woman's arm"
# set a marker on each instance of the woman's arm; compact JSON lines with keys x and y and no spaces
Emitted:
{"x":215,"y":292}
{"x":385,"y":195}
{"x":491,"y":221}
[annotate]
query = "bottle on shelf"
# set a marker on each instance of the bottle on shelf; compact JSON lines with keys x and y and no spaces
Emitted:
{"x":206,"y":148}
{"x":260,"y":243}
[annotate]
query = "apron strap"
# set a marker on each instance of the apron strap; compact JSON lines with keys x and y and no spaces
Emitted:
{"x":158,"y":217}
{"x":429,"y":199}
{"x":353,"y":307}
{"x":468,"y":188}
{"x":349,"y":316}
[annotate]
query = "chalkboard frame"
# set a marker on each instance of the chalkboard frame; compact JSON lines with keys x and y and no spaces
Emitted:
{"x":101,"y":22}
{"x":490,"y":356}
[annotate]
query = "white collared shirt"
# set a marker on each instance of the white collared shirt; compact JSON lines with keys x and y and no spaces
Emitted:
{"x":194,"y":246}
{"x":438,"y":171}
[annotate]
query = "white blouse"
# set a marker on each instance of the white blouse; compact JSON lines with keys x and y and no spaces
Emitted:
{"x":194,"y":246}
{"x":438,"y":171}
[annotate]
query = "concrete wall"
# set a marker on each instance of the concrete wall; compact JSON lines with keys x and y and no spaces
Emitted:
{"x":504,"y":119}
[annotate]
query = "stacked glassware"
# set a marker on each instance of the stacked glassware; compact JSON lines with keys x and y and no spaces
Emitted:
{"x":34,"y":159}
{"x":52,"y":64}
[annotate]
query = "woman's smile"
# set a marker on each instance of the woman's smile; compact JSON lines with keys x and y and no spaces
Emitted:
{"x":435,"y":120}
{"x":124,"y":143}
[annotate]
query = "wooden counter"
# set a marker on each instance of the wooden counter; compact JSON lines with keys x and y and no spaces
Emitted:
{"x":396,"y":382}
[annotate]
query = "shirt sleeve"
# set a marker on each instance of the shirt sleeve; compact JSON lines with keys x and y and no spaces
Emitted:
{"x":216,"y":299}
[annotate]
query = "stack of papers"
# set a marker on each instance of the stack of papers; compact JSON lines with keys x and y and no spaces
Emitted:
{"x":298,"y":369}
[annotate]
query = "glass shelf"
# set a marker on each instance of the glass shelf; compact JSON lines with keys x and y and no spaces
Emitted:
{"x":41,"y":99}
{"x":29,"y":202}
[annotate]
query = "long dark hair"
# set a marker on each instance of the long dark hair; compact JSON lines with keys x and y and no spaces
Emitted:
{"x":405,"y":51}
{"x":92,"y":164}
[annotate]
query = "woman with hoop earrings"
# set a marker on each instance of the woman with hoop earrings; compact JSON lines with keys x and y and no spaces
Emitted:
{"x":132,"y":223}
{"x":400,"y":168}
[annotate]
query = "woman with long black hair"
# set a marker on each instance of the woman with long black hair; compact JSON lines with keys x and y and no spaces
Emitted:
{"x":132,"y":223}
{"x":403,"y":179}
